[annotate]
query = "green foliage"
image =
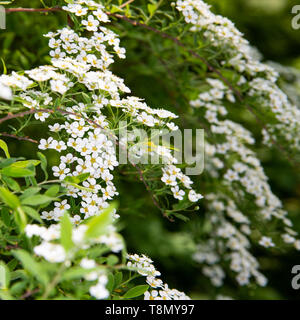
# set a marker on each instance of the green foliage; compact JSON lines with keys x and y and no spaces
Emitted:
{"x":165,"y":74}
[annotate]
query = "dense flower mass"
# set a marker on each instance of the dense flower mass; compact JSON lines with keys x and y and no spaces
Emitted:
{"x":230,"y":161}
{"x":221,"y":32}
{"x":85,"y":140}
{"x":84,"y":107}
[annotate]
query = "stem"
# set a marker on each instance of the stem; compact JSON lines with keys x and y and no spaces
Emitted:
{"x":54,"y":282}
{"x":126,"y":3}
{"x":32,"y":9}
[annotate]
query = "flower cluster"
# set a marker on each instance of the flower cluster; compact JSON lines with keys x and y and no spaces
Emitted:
{"x":85,"y":140}
{"x":54,"y":252}
{"x":159,"y":290}
{"x":236,"y":168}
{"x":221,"y":32}
{"x":85,"y":99}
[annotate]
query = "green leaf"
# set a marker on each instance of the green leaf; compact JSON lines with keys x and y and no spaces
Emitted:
{"x":43,"y":164}
{"x":32,"y":213}
{"x":4,"y":295}
{"x":66,"y":232}
{"x":31,"y":265}
{"x":20,"y":219}
{"x":4,"y":276}
{"x":98,"y":225}
{"x":112,"y":260}
{"x":9,"y":198}
{"x":111,"y":282}
{"x":4,"y":147}
{"x":6,"y":216}
{"x":29,"y":192}
{"x":16,"y":172}
{"x":118,"y":279}
{"x":151,"y":8}
{"x":37,"y":200}
{"x":25,"y":163}
{"x":77,"y":179}
{"x":11,"y":183}
{"x":136,"y":292}
{"x":75,"y":273}
{"x":3,"y":62}
{"x":52,"y":191}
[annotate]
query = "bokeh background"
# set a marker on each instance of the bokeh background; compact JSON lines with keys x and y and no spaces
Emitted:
{"x":267,"y":25}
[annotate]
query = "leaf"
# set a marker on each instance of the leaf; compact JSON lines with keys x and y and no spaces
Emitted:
{"x":136,"y":292}
{"x":4,"y":295}
{"x":29,"y":192}
{"x":118,"y":279}
{"x":77,"y":179}
{"x":4,"y":276}
{"x":20,"y":218}
{"x":31,"y":265}
{"x":52,"y":191}
{"x":75,"y":273}
{"x":66,"y":232}
{"x":4,"y":147}
{"x":79,"y":187}
{"x":37,"y":200}
{"x":9,"y":198}
{"x":98,"y":225}
{"x":25,"y":163}
{"x":111,"y":282}
{"x":112,"y":260}
{"x":11,"y":183}
{"x":151,"y":8}
{"x":5,"y":216}
{"x":3,"y":62}
{"x":43,"y":164}
{"x":16,"y":172}
{"x":32,"y":213}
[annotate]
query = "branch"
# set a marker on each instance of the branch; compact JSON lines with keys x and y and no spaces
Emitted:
{"x":27,"y":294}
{"x":4,"y":134}
{"x":126,"y":3}
{"x":8,"y":10}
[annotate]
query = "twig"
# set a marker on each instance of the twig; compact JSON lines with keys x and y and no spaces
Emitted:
{"x":27,"y":294}
{"x":126,"y":3}
{"x":8,"y":10}
{"x":17,"y":137}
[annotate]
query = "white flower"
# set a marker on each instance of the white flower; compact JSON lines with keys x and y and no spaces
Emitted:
{"x":51,"y":252}
{"x":91,"y":23}
{"x":87,"y":263}
{"x":5,"y":92}
{"x":153,"y":295}
{"x":45,"y":144}
{"x":194,"y":197}
{"x":177,"y":193}
{"x":154,"y":282}
{"x":99,"y":291}
{"x":58,"y":86}
{"x":42,"y":116}
{"x":266,"y":242}
{"x":61,"y":171}
{"x":169,"y":180}
{"x":58,"y":145}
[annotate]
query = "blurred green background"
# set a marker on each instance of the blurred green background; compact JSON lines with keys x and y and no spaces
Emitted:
{"x":267,"y":25}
